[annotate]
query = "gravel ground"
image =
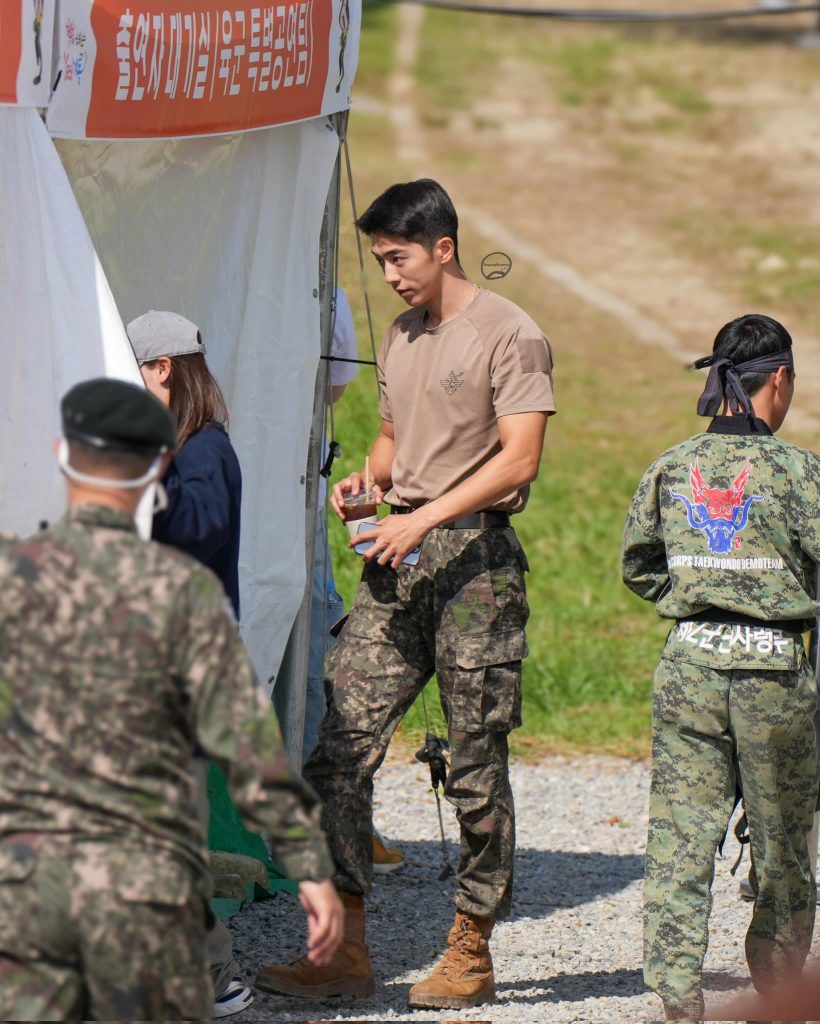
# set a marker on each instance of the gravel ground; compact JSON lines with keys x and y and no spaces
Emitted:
{"x":572,"y":950}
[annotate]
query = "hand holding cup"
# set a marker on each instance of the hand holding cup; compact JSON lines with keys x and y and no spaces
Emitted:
{"x":360,"y":509}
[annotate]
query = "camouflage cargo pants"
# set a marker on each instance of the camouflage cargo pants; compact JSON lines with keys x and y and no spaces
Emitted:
{"x":751,"y":720}
{"x":90,"y":931}
{"x":459,"y":613}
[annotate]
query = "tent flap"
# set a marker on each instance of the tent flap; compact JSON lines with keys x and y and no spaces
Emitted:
{"x":226,"y":232}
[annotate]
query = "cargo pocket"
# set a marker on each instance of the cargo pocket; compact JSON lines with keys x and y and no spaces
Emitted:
{"x":149,"y":879}
{"x":487,"y":686}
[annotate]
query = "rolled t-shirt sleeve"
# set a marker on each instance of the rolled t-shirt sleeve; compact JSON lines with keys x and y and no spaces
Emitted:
{"x":521,"y":374}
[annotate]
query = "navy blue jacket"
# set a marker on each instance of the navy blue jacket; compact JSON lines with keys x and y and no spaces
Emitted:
{"x":204,"y":487}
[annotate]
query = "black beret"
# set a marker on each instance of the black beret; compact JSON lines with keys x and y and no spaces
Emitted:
{"x":114,"y":414}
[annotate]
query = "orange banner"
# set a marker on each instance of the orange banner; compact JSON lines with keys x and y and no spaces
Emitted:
{"x":151,"y":68}
{"x":11,"y":44}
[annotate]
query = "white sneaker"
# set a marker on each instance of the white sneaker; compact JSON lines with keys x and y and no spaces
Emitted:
{"x":236,"y":998}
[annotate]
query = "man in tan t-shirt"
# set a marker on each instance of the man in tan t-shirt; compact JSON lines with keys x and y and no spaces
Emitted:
{"x":465,"y":392}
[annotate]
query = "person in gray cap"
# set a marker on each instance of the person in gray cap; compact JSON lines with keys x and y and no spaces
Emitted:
{"x":202,"y":516}
{"x":204,"y":482}
{"x":119,"y":657}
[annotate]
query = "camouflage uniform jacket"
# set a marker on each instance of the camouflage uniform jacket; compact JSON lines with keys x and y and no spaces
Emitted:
{"x":117,"y":657}
{"x":729,"y":519}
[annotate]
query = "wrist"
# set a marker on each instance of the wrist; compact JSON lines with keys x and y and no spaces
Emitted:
{"x":428,"y":516}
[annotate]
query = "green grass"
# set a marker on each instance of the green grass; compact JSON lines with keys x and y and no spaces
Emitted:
{"x":590,"y":67}
{"x":376,"y":46}
{"x":593,"y":646}
{"x":792,"y":281}
{"x":586,"y":65}
{"x":683,"y":97}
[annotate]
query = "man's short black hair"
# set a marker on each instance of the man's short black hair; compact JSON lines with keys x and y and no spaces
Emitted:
{"x":748,"y":337}
{"x":418,"y":211}
{"x":108,"y":462}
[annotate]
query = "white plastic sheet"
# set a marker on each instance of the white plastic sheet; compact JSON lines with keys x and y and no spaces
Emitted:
{"x":58,"y":320}
{"x":226,"y":232}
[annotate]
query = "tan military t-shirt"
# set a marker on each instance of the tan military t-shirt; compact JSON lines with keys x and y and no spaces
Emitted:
{"x":445,"y":388}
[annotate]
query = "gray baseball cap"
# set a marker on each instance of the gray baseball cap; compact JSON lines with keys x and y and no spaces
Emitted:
{"x":160,"y":333}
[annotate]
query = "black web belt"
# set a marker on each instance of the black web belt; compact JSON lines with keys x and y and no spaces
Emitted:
{"x":737,"y":619}
{"x":476,"y":521}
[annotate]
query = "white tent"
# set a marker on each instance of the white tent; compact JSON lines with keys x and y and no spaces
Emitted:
{"x":203,"y":191}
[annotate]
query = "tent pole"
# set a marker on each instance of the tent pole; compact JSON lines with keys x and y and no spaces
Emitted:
{"x":292,"y":677}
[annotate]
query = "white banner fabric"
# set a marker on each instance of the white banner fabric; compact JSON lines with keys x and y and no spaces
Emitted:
{"x":58,"y":320}
{"x":226,"y":232}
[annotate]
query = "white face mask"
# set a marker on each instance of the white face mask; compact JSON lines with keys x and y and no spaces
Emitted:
{"x":149,"y":476}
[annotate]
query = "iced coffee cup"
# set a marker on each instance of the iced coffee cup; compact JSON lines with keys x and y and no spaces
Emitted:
{"x":360,"y":509}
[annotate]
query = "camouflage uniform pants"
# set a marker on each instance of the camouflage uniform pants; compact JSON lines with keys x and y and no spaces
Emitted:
{"x":711,"y":727}
{"x":459,"y":613}
{"x":90,"y":931}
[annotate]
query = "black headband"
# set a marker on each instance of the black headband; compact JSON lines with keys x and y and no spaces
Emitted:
{"x":724,"y":381}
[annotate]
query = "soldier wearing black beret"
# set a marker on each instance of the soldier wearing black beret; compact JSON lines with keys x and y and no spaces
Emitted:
{"x":114,"y":414}
{"x":120,"y":658}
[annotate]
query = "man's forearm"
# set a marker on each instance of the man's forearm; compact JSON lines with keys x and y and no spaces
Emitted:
{"x":504,"y":474}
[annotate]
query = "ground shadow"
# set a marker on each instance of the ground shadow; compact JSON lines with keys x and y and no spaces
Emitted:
{"x":545,"y":880}
{"x":571,"y":988}
{"x":410,"y":913}
{"x":723,"y":981}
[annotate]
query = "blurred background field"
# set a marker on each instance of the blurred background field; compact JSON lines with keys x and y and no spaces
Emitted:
{"x":672,"y":168}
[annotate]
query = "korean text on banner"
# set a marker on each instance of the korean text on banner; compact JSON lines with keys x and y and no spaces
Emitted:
{"x":149,"y":69}
{"x":26,"y":31}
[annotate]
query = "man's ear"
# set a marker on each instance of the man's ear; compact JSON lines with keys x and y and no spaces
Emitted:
{"x":780,"y":377}
{"x":445,"y":250}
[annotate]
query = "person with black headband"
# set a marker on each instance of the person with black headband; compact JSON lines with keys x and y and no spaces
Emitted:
{"x":723,"y":535}
{"x":724,"y":386}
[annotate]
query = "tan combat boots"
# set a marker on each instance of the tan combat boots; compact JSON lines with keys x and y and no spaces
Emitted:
{"x":464,"y":975}
{"x":349,"y":972}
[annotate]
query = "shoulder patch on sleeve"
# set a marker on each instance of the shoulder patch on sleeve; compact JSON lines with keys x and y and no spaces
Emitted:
{"x":533,"y":355}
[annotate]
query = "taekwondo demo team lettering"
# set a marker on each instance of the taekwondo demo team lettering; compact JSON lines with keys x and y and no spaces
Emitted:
{"x":259,"y":49}
{"x":709,"y":562}
{"x":720,"y":515}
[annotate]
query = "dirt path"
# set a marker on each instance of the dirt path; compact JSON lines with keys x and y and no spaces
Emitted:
{"x":567,"y":195}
